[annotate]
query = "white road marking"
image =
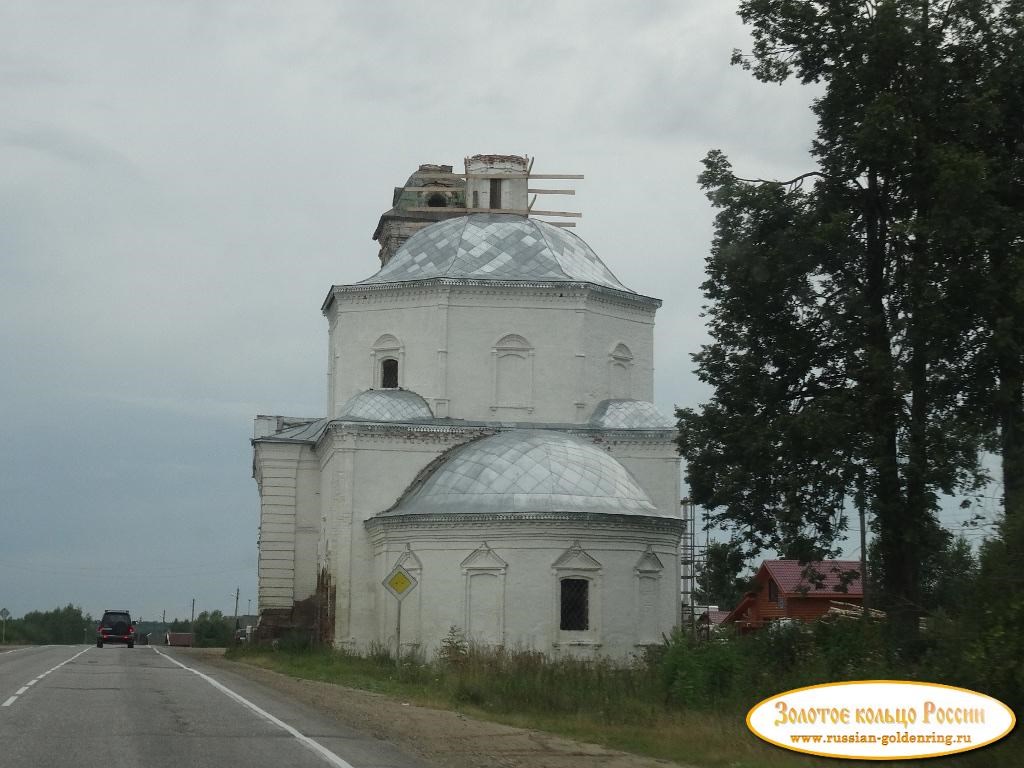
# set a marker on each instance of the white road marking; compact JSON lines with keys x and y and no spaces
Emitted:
{"x":40,"y":677}
{"x":320,"y":749}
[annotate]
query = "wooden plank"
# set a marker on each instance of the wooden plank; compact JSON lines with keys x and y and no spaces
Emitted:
{"x":517,"y":212}
{"x":499,"y":175}
{"x":551,"y":191}
{"x":562,"y":224}
{"x":433,"y":189}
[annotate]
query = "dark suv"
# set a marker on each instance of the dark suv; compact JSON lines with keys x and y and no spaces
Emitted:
{"x":115,"y":627}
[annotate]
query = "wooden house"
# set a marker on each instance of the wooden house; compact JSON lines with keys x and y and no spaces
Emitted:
{"x":787,"y":589}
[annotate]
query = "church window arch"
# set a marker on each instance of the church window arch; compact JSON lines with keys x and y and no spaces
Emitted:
{"x":387,"y":358}
{"x":648,"y":572}
{"x":577,"y":597}
{"x":512,"y":372}
{"x":620,"y":372}
{"x":484,"y":573}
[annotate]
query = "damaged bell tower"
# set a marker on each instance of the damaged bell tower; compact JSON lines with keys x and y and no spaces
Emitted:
{"x":489,"y":184}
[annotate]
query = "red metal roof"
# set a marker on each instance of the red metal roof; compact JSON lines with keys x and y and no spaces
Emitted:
{"x":789,"y":575}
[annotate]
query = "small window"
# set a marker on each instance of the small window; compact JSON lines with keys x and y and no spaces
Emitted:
{"x":495,"y":193}
{"x":476,"y":199}
{"x":773,"y":592}
{"x":436,"y":200}
{"x":389,"y":373}
{"x":575,"y":604}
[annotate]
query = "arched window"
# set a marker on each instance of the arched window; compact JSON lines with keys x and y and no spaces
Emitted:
{"x":577,"y":597}
{"x":437,"y":200}
{"x":620,"y":365}
{"x":386,"y":362}
{"x":512,"y":373}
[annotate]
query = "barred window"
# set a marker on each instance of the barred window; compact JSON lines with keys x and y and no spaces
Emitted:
{"x":575,"y":604}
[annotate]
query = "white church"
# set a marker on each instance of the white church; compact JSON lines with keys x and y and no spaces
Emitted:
{"x":489,"y":433}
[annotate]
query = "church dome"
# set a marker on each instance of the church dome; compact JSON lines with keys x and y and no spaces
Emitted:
{"x":629,"y":414}
{"x":525,"y":471}
{"x":492,"y":246}
{"x":385,"y":405}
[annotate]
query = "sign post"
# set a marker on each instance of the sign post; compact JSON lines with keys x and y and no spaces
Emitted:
{"x":4,"y":615}
{"x":399,"y":583}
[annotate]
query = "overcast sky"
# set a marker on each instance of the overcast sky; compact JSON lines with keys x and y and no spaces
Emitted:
{"x":181,"y":183}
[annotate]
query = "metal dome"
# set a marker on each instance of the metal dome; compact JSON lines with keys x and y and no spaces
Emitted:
{"x":385,"y":405}
{"x":491,"y":246}
{"x":526,"y":471}
{"x":629,"y":414}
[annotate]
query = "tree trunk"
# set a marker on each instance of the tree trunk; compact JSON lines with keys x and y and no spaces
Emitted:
{"x":883,"y":416}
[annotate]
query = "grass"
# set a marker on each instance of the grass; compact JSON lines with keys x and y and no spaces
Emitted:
{"x":641,"y":709}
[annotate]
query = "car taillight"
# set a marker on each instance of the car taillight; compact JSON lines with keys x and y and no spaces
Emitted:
{"x":131,"y":630}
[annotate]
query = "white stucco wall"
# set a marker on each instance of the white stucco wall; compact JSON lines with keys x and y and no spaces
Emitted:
{"x":654,"y":463}
{"x":523,"y":559}
{"x":370,"y":469}
{"x":447,"y":338}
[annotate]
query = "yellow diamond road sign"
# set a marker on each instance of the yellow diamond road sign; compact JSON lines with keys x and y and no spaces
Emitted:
{"x":400,"y":582}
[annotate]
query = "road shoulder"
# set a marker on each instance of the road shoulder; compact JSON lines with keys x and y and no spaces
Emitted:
{"x":440,"y":737}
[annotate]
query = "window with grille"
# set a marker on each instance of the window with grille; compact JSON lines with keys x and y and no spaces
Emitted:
{"x":389,"y":374}
{"x":575,"y":604}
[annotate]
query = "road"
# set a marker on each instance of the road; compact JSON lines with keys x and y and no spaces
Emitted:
{"x":152,"y":706}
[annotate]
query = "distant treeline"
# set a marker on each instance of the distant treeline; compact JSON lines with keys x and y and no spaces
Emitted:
{"x":70,"y":625}
{"x":61,"y":626}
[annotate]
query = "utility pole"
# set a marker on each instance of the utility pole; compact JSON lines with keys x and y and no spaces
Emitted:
{"x":237,"y":591}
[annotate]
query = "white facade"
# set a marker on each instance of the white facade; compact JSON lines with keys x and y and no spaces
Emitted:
{"x":488,"y":352}
{"x":531,"y":513}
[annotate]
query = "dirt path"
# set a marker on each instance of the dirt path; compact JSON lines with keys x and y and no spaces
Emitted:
{"x":446,"y":739}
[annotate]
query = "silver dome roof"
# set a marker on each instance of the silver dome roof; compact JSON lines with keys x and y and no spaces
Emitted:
{"x":385,"y":405}
{"x":524,"y":470}
{"x":629,"y":414}
{"x":493,"y":246}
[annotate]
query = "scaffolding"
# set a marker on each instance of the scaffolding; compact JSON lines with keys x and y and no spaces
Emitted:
{"x":692,"y":560}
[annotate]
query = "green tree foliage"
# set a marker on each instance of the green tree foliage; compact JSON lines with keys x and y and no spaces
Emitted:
{"x":213,"y":630}
{"x":719,"y":582}
{"x":61,"y":626}
{"x":852,"y":361}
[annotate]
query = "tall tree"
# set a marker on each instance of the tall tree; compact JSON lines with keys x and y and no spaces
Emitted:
{"x":719,"y":581}
{"x":849,"y":354}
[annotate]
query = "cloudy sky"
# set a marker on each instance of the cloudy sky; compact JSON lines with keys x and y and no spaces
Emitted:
{"x":183,"y":181}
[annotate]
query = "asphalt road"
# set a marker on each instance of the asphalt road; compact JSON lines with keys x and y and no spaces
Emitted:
{"x":152,"y":706}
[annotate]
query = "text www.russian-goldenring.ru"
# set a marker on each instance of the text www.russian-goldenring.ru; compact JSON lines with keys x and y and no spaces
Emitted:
{"x":884,"y":740}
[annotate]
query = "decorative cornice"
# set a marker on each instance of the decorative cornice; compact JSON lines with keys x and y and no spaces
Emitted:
{"x":591,"y":519}
{"x":517,"y":286}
